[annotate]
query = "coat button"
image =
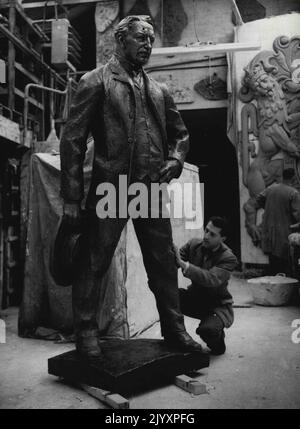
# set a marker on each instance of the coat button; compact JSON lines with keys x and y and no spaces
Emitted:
{"x":130,"y":140}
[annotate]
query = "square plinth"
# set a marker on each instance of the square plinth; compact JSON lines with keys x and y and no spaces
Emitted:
{"x":127,"y":365}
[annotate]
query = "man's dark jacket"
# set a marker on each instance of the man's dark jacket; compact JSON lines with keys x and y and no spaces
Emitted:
{"x":105,"y":106}
{"x":210,"y":272}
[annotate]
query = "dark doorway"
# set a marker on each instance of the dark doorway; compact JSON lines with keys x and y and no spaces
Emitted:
{"x":216,"y":158}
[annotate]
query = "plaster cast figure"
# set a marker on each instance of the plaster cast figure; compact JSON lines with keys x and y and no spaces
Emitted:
{"x":281,"y":202}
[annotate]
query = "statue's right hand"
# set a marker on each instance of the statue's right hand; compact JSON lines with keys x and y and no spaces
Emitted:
{"x":72,"y":213}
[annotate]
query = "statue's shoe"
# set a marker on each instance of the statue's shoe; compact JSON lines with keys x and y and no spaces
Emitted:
{"x":182,"y":341}
{"x":87,"y":345}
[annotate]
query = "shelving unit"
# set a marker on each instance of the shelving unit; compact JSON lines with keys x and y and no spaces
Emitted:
{"x":24,"y":53}
{"x":22,"y":48}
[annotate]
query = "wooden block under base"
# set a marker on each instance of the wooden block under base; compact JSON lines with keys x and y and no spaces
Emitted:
{"x":114,"y":400}
{"x":127,"y":366}
{"x":190,"y":385}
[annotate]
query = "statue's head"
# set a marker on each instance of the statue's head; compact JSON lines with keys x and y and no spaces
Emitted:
{"x":135,"y":37}
{"x":261,"y":82}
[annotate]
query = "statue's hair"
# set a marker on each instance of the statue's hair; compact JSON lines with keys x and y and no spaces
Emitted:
{"x":124,"y":26}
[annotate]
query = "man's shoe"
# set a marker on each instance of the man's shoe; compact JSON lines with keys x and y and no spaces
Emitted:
{"x":87,"y":345}
{"x":217,"y":348}
{"x":182,"y":341}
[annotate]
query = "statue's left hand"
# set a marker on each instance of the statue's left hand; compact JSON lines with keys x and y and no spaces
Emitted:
{"x":169,"y":170}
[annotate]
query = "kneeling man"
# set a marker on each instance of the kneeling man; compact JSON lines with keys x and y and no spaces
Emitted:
{"x":208,"y":264}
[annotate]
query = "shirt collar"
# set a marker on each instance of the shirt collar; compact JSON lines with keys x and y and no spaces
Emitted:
{"x":129,"y":67}
{"x":219,"y":249}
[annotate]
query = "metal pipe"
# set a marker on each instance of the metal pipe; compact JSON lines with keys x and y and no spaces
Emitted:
{"x":26,"y":102}
{"x":237,"y":13}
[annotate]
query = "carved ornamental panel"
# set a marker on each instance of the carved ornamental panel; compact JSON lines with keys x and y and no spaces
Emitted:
{"x":270,"y":119}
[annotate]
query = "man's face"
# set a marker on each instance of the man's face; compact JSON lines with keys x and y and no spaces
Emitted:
{"x":212,"y":236}
{"x":137,"y":45}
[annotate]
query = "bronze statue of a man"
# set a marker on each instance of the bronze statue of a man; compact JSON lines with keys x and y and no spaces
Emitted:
{"x":138,"y":132}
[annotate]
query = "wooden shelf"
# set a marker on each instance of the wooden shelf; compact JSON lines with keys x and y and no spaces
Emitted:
{"x":31,"y":99}
{"x":10,"y":130}
{"x":12,"y":239}
{"x":32,"y":54}
{"x":37,"y":31}
{"x":19,"y":93}
{"x":30,"y":76}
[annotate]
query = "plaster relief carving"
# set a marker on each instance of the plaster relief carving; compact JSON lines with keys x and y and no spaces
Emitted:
{"x":154,"y":6}
{"x":106,"y":15}
{"x":212,"y":88}
{"x":140,"y":7}
{"x":180,"y":93}
{"x":175,"y":21}
{"x":174,"y":17}
{"x":270,"y":121}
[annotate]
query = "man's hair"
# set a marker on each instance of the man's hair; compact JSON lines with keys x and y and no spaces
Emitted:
{"x":221,"y":223}
{"x":126,"y":25}
{"x":288,"y":174}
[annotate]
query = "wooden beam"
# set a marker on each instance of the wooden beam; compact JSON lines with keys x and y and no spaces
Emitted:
{"x":11,"y":60}
{"x":29,"y":22}
{"x":1,"y":233}
{"x":21,"y":94}
{"x":210,"y":49}
{"x":27,"y":73}
{"x":2,"y":71}
{"x":31,"y":99}
{"x":10,"y":130}
{"x":16,"y":41}
{"x":190,"y":385}
{"x":114,"y":400}
{"x":167,"y":57}
{"x":52,"y":3}
{"x":1,"y":255}
{"x":237,"y":13}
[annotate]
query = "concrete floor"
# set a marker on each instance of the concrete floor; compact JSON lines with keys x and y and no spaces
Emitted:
{"x":261,"y":368}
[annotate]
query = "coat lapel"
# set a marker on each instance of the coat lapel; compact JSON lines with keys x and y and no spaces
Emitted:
{"x":118,"y":72}
{"x":154,"y":94}
{"x":156,"y":101}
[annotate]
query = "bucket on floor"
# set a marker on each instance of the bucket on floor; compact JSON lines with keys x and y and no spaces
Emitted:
{"x":272,"y":290}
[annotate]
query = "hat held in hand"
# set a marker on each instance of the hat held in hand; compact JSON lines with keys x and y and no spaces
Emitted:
{"x":65,"y":253}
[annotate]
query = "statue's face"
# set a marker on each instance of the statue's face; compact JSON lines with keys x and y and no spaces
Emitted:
{"x":265,"y":85}
{"x":137,"y":46}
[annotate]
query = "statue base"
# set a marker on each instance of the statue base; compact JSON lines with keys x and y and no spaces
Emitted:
{"x":127,"y":366}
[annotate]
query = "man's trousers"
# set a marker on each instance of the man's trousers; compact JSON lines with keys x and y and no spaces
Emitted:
{"x":214,"y":318}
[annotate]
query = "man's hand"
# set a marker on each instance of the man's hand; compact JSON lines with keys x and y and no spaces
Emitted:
{"x":170,"y":169}
{"x":72,"y":213}
{"x":183,"y":255}
{"x":180,"y":263}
